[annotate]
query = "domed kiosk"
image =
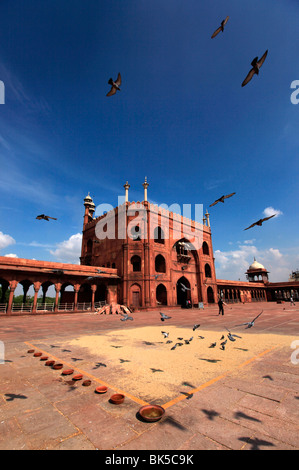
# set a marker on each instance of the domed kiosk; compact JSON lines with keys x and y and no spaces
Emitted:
{"x":257,"y":272}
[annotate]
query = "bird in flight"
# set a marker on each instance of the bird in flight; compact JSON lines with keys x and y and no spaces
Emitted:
{"x":260,"y":222}
{"x":114,"y":85}
{"x":250,"y":324}
{"x":165,"y":334}
{"x":221,"y":27}
{"x":256,"y":65}
{"x":164,"y":317}
{"x":184,"y":288}
{"x":195,"y":327}
{"x":221,"y":199}
{"x":45,"y":217}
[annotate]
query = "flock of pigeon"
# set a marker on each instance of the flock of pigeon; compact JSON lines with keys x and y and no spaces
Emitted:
{"x":231,"y":336}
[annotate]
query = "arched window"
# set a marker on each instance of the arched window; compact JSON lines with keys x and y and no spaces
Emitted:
{"x":135,"y":233}
{"x":136,"y":263}
{"x":161,"y":295}
{"x":208,"y":271}
{"x":205,"y":248}
{"x":159,"y":235}
{"x":160,"y":265}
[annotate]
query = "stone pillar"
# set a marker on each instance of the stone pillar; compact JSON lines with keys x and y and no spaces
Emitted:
{"x":13,"y":285}
{"x":125,"y":274}
{"x":36,"y":287}
{"x":93,"y":292}
{"x":76,"y":291}
{"x":57,"y":289}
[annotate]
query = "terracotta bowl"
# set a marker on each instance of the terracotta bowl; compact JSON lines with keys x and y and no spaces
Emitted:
{"x":37,"y":354}
{"x":101,"y":389}
{"x":50,"y":363}
{"x":57,"y":366}
{"x":44,"y":358}
{"x":67,"y":371}
{"x":86,"y":383}
{"x":117,"y":398}
{"x":78,"y":377}
{"x":151,"y":413}
{"x":31,"y":351}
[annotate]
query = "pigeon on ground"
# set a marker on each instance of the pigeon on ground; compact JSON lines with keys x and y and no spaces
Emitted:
{"x":221,"y":28}
{"x":114,"y":85}
{"x":45,"y":217}
{"x":260,"y":222}
{"x":125,"y":317}
{"x":201,"y":337}
{"x":256,"y":65}
{"x":221,"y":199}
{"x":169,"y":341}
{"x":164,"y":317}
{"x":212,"y":345}
{"x":250,"y":324}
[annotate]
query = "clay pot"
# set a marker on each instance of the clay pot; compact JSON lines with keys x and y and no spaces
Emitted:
{"x":37,"y":354}
{"x":151,"y":413}
{"x":67,"y":372}
{"x":50,"y":363}
{"x":101,"y":389}
{"x":44,"y":358}
{"x":31,"y":351}
{"x":117,"y":398}
{"x":78,"y":377}
{"x":86,"y":383}
{"x":57,"y":366}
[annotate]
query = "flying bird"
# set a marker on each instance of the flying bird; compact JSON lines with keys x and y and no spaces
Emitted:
{"x":45,"y":217}
{"x":259,"y":222}
{"x":195,"y":327}
{"x":184,"y":288}
{"x":250,"y":324}
{"x":221,"y":199}
{"x":256,"y":65}
{"x":176,"y":344}
{"x":164,"y":317}
{"x":221,"y":27}
{"x":114,"y":85}
{"x":165,"y":334}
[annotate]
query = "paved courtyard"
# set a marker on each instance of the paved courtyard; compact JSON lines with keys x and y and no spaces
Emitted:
{"x":244,"y":397}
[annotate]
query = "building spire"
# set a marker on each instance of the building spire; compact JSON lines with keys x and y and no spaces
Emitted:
{"x":127,"y":186}
{"x":145,"y":186}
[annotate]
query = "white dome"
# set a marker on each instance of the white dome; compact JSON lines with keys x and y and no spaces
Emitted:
{"x":256,"y":265}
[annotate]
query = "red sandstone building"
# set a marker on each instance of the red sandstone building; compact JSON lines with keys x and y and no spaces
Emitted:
{"x":140,"y":255}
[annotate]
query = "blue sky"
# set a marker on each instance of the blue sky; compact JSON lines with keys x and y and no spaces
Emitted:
{"x":181,"y":118}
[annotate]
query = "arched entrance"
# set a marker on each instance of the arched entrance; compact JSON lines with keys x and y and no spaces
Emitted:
{"x":183,"y":291}
{"x":136,"y":296}
{"x":210,"y":295}
{"x":161,"y":294}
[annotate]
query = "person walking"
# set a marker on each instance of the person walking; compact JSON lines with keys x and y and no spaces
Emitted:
{"x":292,"y":300}
{"x":220,"y":305}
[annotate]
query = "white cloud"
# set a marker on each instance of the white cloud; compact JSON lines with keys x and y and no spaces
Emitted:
{"x":11,"y":255}
{"x":6,"y":240}
{"x":270,"y":211}
{"x":69,"y":250}
{"x":232,"y":265}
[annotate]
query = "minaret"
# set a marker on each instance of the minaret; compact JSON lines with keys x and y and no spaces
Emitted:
{"x":145,"y":186}
{"x":127,"y":186}
{"x":89,"y":209}
{"x":208,"y":218}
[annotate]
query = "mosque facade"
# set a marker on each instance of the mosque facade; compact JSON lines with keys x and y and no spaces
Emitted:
{"x":140,"y":255}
